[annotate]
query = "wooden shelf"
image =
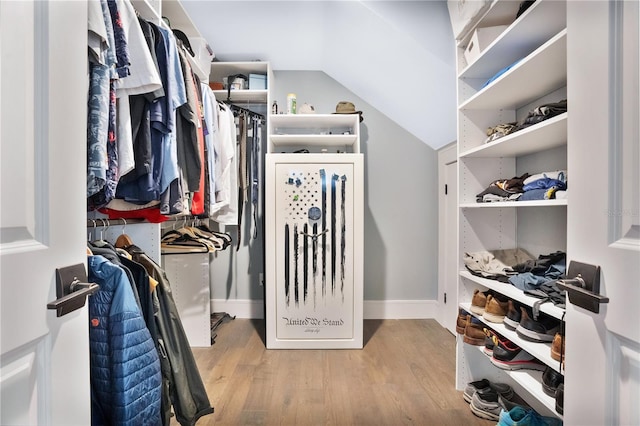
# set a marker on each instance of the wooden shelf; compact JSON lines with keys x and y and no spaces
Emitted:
{"x":542,"y":72}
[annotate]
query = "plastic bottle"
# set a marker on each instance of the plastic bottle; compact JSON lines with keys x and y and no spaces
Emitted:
{"x":291,"y":103}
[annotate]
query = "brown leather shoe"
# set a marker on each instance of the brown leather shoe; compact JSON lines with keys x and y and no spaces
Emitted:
{"x":557,"y":347}
{"x":473,"y":332}
{"x":461,"y":322}
{"x":478,"y":301}
{"x":495,"y":310}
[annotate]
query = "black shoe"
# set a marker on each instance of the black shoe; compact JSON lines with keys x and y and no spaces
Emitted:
{"x":551,"y":379}
{"x":560,"y":398}
{"x":541,"y":330}
{"x":512,"y":319}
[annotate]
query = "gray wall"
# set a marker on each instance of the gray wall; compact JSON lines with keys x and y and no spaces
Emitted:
{"x":401,"y":204}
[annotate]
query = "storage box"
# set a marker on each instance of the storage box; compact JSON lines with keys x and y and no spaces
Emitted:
{"x":203,"y":53}
{"x":480,"y":39}
{"x":257,"y":82}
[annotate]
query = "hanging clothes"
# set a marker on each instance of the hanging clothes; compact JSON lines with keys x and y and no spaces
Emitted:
{"x":124,"y":364}
{"x":210,"y":133}
{"x":102,"y":60}
{"x":186,"y":389}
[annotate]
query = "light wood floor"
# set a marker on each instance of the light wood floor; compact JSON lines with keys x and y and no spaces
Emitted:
{"x":403,"y":376}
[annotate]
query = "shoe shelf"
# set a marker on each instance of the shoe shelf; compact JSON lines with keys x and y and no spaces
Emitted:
{"x":514,"y":293}
{"x":534,"y":46}
{"x":540,"y":350}
{"x":531,"y":382}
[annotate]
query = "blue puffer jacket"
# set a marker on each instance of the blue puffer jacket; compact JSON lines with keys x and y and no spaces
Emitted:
{"x":125,"y":369}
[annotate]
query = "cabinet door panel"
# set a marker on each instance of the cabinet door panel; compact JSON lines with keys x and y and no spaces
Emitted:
{"x":314,"y":244}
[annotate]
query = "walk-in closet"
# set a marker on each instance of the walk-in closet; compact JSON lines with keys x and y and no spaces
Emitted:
{"x":319,"y":212}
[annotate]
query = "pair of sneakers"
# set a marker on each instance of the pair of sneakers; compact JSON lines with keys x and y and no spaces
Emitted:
{"x":491,"y":305}
{"x":487,"y":399}
{"x":493,"y":401}
{"x":509,"y":356}
{"x":521,"y":319}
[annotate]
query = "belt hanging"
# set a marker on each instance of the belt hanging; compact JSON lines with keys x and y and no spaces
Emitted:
{"x":296,"y":284}
{"x":343,"y":238}
{"x":305,"y":264}
{"x":286,"y":262}
{"x":334,"y":179}
{"x":323,"y":180}
{"x":314,"y":243}
{"x":255,"y":188}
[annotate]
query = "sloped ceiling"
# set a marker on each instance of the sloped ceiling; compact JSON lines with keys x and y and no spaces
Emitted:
{"x":396,"y":55}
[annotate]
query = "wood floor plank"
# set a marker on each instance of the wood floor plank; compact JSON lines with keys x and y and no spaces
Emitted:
{"x":404,"y":376}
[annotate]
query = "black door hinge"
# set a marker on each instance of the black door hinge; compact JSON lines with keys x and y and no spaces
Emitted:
{"x":445,"y":298}
{"x":446,"y":189}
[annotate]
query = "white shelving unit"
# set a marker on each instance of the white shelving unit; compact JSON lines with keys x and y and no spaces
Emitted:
{"x":534,"y":45}
{"x":221,"y":70}
{"x":314,"y":178}
{"x":315,"y":132}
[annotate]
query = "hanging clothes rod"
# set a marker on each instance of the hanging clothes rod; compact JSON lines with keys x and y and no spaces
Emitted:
{"x":103,"y":222}
{"x":245,"y":110}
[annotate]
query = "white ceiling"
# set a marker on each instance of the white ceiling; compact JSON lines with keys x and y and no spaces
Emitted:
{"x":398,"y":56}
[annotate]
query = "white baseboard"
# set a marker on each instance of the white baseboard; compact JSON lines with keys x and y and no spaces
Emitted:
{"x":400,"y":309}
{"x":240,"y":308}
{"x":373,"y":309}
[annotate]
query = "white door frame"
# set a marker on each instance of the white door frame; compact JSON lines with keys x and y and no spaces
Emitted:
{"x":446,"y":156}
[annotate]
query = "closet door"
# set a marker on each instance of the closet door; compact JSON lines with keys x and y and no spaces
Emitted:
{"x":44,"y":360}
{"x":602,"y":381}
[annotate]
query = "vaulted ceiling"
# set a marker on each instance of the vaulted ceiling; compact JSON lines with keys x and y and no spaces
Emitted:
{"x":398,"y":56}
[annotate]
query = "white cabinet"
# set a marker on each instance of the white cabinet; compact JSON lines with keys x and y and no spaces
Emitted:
{"x":314,"y":232}
{"x":189,"y":278}
{"x":524,"y":67}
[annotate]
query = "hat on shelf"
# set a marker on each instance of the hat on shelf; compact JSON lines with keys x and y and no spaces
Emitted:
{"x":345,"y":107}
{"x":306,"y":108}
